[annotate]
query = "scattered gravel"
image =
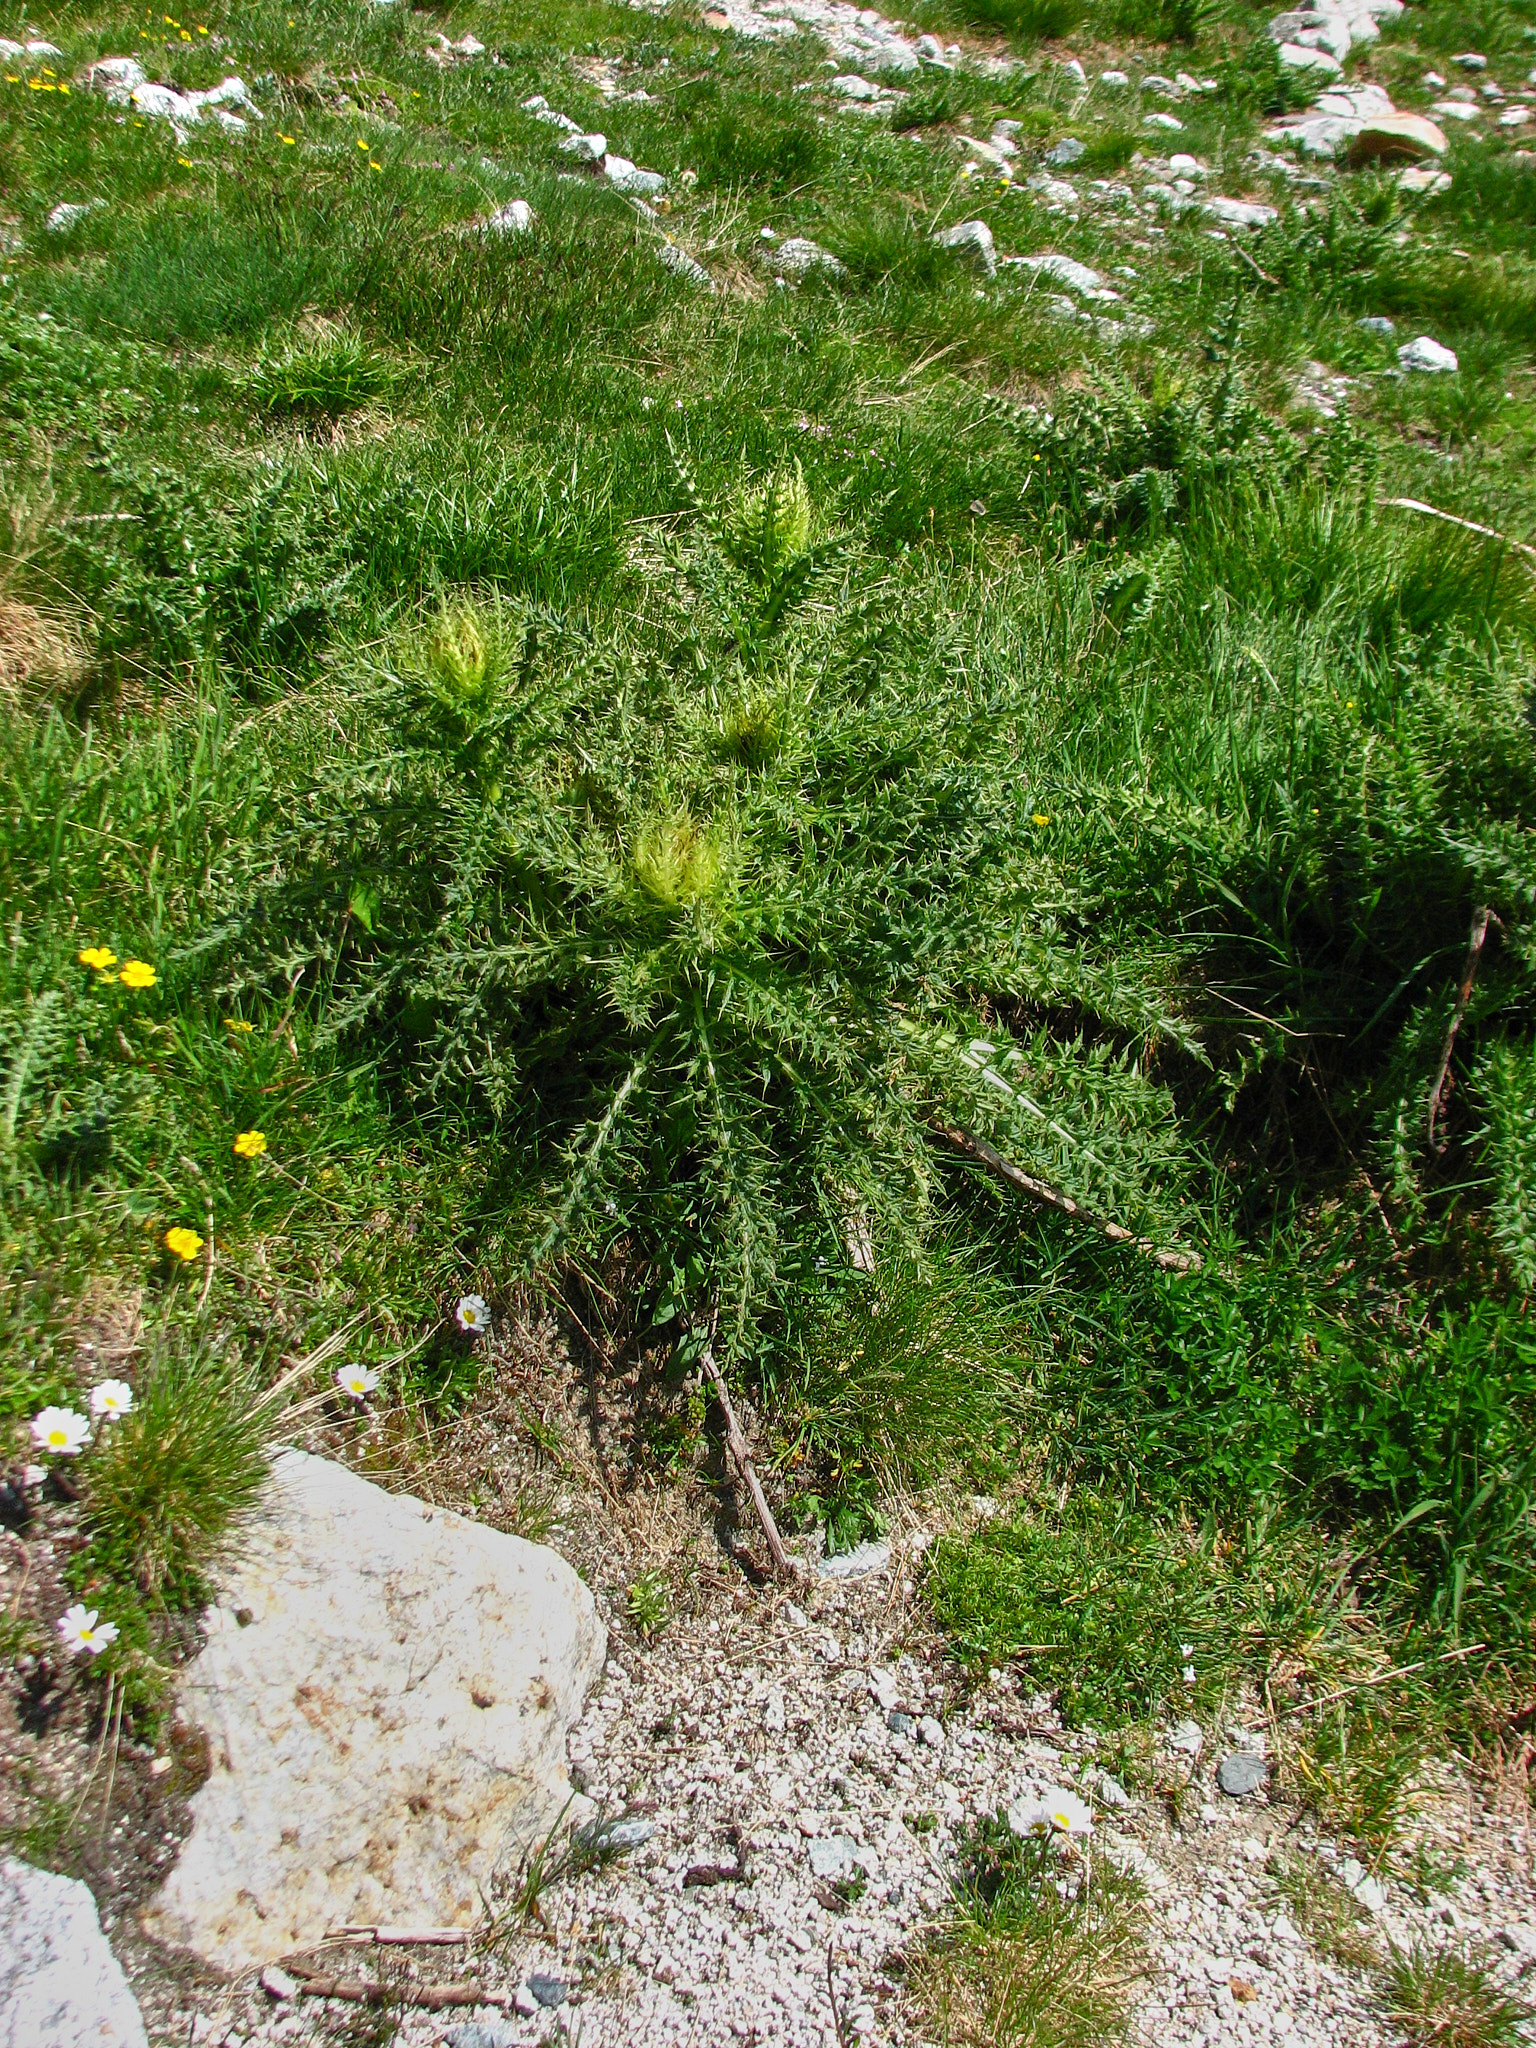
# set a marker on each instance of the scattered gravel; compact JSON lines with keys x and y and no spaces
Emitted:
{"x":793,"y":1784}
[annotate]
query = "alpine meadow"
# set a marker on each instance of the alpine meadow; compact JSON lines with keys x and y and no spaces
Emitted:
{"x":769,"y":815}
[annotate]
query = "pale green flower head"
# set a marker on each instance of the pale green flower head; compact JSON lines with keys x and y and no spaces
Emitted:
{"x":459,"y":658}
{"x":679,"y":863}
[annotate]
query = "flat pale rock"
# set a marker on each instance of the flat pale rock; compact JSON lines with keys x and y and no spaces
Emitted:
{"x":971,"y":239}
{"x":1398,"y":138}
{"x":1296,"y":57}
{"x":60,"y":1984}
{"x":386,"y":1731}
{"x":1241,"y":1775}
{"x":799,"y":256}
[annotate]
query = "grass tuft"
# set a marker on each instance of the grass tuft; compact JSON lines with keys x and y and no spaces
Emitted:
{"x":176,"y":1477}
{"x":1441,"y":1999}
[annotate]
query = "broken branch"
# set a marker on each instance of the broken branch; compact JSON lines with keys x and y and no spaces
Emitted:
{"x":1454,"y":519}
{"x":1481,"y":919}
{"x":428,"y":1997}
{"x":401,"y":1937}
{"x":741,"y":1457}
{"x":1042,"y":1191}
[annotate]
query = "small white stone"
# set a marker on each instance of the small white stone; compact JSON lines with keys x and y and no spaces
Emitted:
{"x":587,"y":149}
{"x":971,"y":238}
{"x":682,"y":265}
{"x":515,"y":218}
{"x":64,"y":217}
{"x":1240,"y":213}
{"x":1427,"y":355}
{"x":627,"y":177}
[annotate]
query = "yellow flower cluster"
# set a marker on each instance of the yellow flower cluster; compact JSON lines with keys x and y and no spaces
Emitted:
{"x":135,"y":973}
{"x":180,"y":1241}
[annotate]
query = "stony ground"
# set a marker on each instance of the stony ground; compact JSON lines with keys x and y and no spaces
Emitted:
{"x":802,"y":1763}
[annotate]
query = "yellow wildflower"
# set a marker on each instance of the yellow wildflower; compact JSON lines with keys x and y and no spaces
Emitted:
{"x":99,"y":957}
{"x":360,"y":143}
{"x":289,"y":140}
{"x":238,"y":1024}
{"x":251,"y":1144}
{"x":137,"y":974}
{"x":373,"y":166}
{"x":186,"y":1244}
{"x":1042,"y":817}
{"x":185,"y":162}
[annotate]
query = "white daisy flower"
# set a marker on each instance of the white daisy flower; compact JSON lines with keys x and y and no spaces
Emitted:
{"x":1189,"y":1674}
{"x":82,"y":1629}
{"x":472,"y":1314}
{"x":1058,"y":1811}
{"x":356,"y":1380}
{"x":111,"y":1397}
{"x":62,"y":1430}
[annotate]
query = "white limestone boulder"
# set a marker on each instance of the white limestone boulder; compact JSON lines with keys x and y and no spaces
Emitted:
{"x":60,"y":1984}
{"x":386,"y":1689}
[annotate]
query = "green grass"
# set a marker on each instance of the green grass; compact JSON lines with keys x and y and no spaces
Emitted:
{"x":1441,"y":1999}
{"x":1035,"y":1953}
{"x":649,"y":764}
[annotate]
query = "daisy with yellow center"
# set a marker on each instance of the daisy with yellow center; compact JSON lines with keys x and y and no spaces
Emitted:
{"x":60,"y":1430}
{"x":356,"y":1380}
{"x":83,"y":1629}
{"x":251,"y":1144}
{"x":99,"y":957}
{"x":183,"y":1243}
{"x":137,"y":974}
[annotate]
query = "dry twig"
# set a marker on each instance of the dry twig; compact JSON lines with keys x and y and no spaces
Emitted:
{"x":1381,"y":1678}
{"x":366,"y":1991}
{"x":741,"y":1457}
{"x":1482,"y":917}
{"x":401,"y":1937}
{"x":1454,"y":519}
{"x":1042,"y":1191}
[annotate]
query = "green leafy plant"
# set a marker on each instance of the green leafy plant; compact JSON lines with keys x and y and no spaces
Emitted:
{"x":707,"y":1013}
{"x":321,"y":374}
{"x":649,"y":1602}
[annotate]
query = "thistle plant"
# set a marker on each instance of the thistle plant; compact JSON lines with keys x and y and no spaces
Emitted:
{"x":722,"y":993}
